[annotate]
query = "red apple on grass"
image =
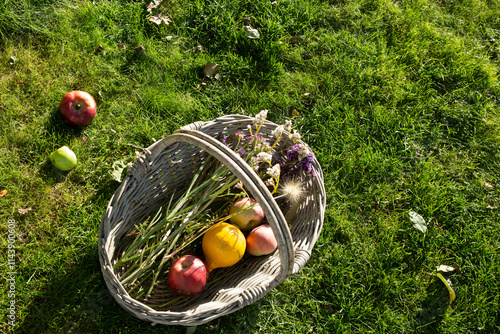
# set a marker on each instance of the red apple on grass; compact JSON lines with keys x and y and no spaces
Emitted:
{"x":251,"y":214}
{"x":261,"y":241}
{"x":187,"y":275}
{"x":78,"y":108}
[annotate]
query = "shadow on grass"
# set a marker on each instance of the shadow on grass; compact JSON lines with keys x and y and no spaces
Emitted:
{"x":75,"y":299}
{"x":55,"y":124}
{"x":433,"y":309}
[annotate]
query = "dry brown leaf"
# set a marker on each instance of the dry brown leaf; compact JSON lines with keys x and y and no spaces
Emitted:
{"x":458,"y":269}
{"x":295,"y":39}
{"x":24,"y":211}
{"x":295,"y":112}
{"x":198,"y":48}
{"x":159,"y":19}
{"x":156,"y":9}
{"x":99,"y":49}
{"x":140,"y":49}
{"x":122,"y":47}
{"x":246,"y":20}
{"x":3,"y":193}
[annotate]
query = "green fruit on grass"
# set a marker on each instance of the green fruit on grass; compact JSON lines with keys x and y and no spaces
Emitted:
{"x":63,"y":159}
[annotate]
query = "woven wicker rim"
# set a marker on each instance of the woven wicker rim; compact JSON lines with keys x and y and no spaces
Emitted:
{"x":285,"y":262}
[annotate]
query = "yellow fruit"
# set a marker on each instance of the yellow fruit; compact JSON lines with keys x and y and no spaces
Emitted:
{"x":223,"y":245}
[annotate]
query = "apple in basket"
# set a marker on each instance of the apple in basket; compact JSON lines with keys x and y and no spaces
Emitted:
{"x":251,"y":214}
{"x":78,"y":108}
{"x":261,"y":241}
{"x":188,"y":275}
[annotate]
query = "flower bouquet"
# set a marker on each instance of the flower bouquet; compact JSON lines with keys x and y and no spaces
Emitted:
{"x":213,"y":219}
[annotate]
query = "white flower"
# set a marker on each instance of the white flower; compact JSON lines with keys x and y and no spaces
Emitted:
{"x":254,"y":163}
{"x":278,"y":131}
{"x":274,"y":171}
{"x":263,"y":147}
{"x":270,"y":183}
{"x":260,"y":117}
{"x":249,"y":128}
{"x":288,"y":125}
{"x":264,"y":157}
{"x":294,"y":137}
{"x":239,"y":185}
{"x":303,"y":151}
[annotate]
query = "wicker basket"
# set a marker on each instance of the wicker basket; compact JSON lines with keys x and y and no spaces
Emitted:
{"x":167,"y":165}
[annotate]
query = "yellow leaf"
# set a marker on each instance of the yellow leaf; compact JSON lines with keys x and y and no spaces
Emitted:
{"x":448,"y":286}
{"x":3,"y":192}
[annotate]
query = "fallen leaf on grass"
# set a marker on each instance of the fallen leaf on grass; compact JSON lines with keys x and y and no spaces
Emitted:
{"x":190,"y":330}
{"x":3,"y":193}
{"x":99,"y":49}
{"x":444,"y":268}
{"x":140,"y":49}
{"x":211,"y":69}
{"x":246,"y":20}
{"x":24,"y":211}
{"x":295,"y":112}
{"x":120,"y":168}
{"x":448,"y":286}
{"x":418,"y":221}
{"x":295,"y":39}
{"x":159,"y":19}
{"x":251,"y":32}
{"x":488,"y":185}
{"x":122,"y":47}
{"x":458,"y":269}
{"x":156,"y":9}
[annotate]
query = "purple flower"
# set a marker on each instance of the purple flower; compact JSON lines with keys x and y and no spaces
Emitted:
{"x":293,"y":153}
{"x":304,"y":166}
{"x":224,"y":139}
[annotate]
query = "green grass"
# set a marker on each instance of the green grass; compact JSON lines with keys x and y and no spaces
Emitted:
{"x":398,"y":100}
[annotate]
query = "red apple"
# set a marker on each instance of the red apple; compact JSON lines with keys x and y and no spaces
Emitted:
{"x":78,"y":108}
{"x":261,"y":241}
{"x":187,"y":275}
{"x":251,"y":214}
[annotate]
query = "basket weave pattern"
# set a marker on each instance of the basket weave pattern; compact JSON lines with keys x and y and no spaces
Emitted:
{"x":168,"y":166}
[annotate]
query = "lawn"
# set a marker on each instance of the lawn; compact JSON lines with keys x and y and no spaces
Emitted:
{"x":399,"y":100}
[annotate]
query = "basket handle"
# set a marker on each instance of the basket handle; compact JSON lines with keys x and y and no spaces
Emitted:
{"x":251,"y":180}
